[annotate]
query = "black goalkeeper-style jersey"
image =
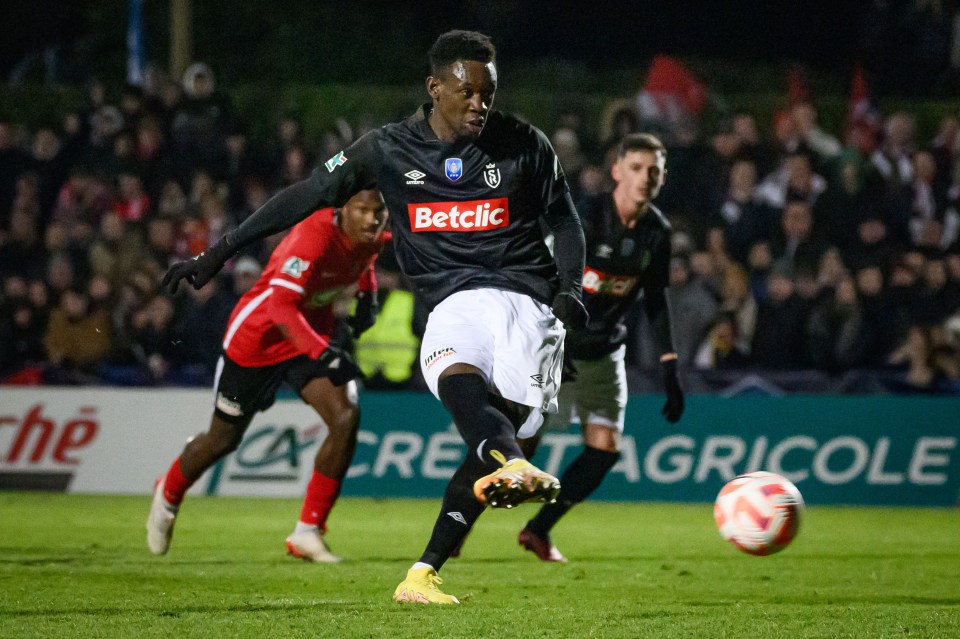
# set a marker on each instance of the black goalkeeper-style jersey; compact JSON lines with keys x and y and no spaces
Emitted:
{"x":463,"y":215}
{"x":621,"y":264}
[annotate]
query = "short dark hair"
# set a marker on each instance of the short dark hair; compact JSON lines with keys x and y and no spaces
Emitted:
{"x":640,"y":142}
{"x":460,"y":45}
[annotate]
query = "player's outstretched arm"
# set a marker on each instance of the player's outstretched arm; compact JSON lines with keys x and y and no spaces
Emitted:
{"x":657,"y":307}
{"x":280,"y":212}
{"x":569,"y":252}
{"x":335,"y":363}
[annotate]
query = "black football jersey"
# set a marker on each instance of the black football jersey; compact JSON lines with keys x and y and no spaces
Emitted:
{"x":621,"y":263}
{"x":463,"y":215}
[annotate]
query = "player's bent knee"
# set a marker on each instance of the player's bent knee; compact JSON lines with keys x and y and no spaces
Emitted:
{"x":348,"y":420}
{"x":602,"y":437}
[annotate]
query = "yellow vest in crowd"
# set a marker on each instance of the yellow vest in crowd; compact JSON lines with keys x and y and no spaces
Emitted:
{"x":389,"y":346}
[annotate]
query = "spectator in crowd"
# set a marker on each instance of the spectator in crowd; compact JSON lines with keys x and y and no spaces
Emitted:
{"x":49,"y":165}
{"x":288,"y":134}
{"x":937,"y":298}
{"x":741,"y":217}
{"x":721,"y":348}
{"x":21,"y":248}
{"x":923,"y":365}
{"x":245,"y":273}
{"x":172,"y":202}
{"x":132,"y":204}
{"x":76,"y":338}
{"x":713,"y":173}
{"x":693,"y":309}
{"x":850,"y":193}
{"x":200,"y":121}
{"x":201,"y":319}
{"x":794,"y":180}
{"x":870,"y":245}
{"x":23,"y":326}
{"x":892,"y":159}
{"x":831,"y":268}
{"x":738,"y":301}
{"x":753,"y":148}
{"x":795,"y":246}
{"x":13,"y":162}
{"x":824,"y":146}
{"x":83,"y":196}
{"x":832,"y":327}
{"x":778,"y":339}
{"x":882,"y":326}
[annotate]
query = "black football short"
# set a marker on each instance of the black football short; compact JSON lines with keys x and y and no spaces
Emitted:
{"x":243,"y":391}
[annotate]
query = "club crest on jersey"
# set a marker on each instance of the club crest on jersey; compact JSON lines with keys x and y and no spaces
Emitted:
{"x":294,"y":267}
{"x":453,"y":168}
{"x":491,"y":175}
{"x":627,"y":246}
{"x":338,"y":160}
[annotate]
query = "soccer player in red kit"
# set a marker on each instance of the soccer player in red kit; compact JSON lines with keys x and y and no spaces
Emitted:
{"x":280,"y":331}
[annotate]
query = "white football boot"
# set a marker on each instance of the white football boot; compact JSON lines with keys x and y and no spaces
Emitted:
{"x":309,"y":546}
{"x":160,"y":522}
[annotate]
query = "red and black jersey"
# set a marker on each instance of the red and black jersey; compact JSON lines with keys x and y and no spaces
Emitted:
{"x":307,"y":271}
{"x":464,"y":215}
{"x":621,"y":264}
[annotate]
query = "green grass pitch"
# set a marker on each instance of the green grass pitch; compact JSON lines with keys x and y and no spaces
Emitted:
{"x":78,"y":566}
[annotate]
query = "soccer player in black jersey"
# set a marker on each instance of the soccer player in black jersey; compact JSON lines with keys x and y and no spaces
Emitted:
{"x":467,"y":188}
{"x":628,"y":255}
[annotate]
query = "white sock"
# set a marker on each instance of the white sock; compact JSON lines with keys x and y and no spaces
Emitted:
{"x":302,"y":528}
{"x":419,"y":565}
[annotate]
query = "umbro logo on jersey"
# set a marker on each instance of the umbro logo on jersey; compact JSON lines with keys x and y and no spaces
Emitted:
{"x":604,"y":251}
{"x":474,"y":215}
{"x":598,"y":282}
{"x":457,"y":517}
{"x":491,"y":175}
{"x":416,"y":177}
{"x":537,"y":380}
{"x":453,"y":168}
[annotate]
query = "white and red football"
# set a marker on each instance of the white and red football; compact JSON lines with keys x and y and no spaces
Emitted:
{"x":759,"y":512}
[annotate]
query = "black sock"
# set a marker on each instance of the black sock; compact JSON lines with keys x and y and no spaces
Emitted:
{"x":457,"y":515}
{"x":482,"y":426}
{"x":583,"y":476}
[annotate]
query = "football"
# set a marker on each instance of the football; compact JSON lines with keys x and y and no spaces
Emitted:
{"x":759,"y":512}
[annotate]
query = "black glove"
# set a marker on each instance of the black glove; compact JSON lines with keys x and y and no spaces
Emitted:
{"x":338,"y":366}
{"x":569,"y":309}
{"x":673,"y":408}
{"x":201,"y":269}
{"x":366,"y":314}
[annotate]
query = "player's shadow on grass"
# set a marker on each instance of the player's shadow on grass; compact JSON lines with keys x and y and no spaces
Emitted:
{"x":305,"y":606}
{"x":43,"y":561}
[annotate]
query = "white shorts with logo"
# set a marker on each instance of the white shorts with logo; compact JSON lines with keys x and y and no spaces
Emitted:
{"x":515,"y":340}
{"x":597,"y":396}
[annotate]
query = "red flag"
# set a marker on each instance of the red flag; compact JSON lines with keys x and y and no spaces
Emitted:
{"x":863,"y":116}
{"x":798,"y":86}
{"x":669,"y":80}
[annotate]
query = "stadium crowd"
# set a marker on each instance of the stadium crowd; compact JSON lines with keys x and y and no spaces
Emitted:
{"x":795,"y":248}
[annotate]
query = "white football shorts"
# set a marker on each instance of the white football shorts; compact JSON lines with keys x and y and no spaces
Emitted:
{"x":515,"y":340}
{"x":597,"y":396}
